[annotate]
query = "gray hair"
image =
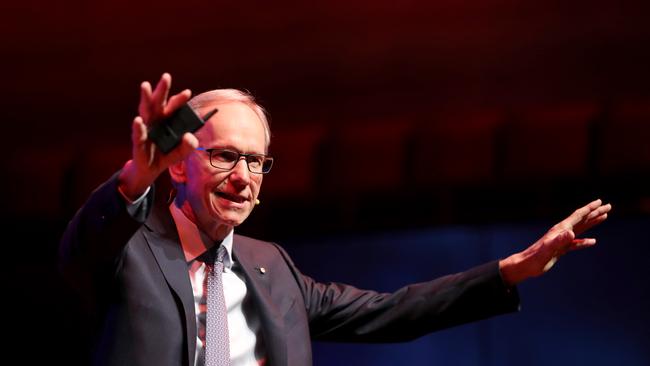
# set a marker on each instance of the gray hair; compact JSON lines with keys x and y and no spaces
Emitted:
{"x":233,"y":95}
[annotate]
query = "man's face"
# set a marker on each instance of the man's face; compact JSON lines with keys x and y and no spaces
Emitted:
{"x":218,"y":197}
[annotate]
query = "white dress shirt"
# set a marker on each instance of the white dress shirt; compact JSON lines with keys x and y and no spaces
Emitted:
{"x":243,"y":324}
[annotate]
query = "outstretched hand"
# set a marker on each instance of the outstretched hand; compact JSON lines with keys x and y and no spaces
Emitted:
{"x":148,"y":162}
{"x":560,"y":239}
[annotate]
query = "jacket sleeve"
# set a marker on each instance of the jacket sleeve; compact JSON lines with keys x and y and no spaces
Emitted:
{"x":94,"y":239}
{"x":343,"y":313}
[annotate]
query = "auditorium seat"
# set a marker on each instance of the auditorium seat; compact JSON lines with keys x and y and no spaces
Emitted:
{"x":624,"y":140}
{"x":547,"y":143}
{"x":296,"y":153}
{"x":367,"y":156}
{"x":455,"y":149}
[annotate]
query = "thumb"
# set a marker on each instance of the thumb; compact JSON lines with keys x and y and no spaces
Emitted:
{"x":561,"y":242}
{"x":138,"y":131}
{"x":189,"y":143}
{"x":563,"y":236}
{"x":565,"y":239}
{"x":558,"y":246}
{"x":568,"y":235}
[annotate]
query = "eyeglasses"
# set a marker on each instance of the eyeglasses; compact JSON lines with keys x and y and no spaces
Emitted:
{"x":227,"y":159}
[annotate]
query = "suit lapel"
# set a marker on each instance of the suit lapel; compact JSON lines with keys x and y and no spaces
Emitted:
{"x":259,"y":284}
{"x":164,"y":243}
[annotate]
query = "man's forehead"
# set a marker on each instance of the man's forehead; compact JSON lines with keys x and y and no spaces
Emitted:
{"x":234,"y":121}
{"x":231,"y":110}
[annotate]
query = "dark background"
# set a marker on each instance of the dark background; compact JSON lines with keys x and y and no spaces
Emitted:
{"x":484,"y":121}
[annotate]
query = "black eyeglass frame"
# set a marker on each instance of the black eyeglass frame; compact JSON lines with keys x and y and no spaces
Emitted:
{"x":266,"y":158}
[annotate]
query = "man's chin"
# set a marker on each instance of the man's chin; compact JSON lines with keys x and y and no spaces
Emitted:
{"x":232,"y":220}
{"x":228,"y":215}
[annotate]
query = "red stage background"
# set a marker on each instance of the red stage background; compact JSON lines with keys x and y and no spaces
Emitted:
{"x":386,"y":115}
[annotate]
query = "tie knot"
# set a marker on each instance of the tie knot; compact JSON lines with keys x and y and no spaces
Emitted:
{"x":221,"y":252}
{"x":213,"y":255}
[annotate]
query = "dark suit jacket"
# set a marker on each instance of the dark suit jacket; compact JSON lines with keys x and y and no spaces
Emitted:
{"x":136,"y":278}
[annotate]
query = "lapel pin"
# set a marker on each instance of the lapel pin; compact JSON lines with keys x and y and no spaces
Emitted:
{"x":261,"y":269}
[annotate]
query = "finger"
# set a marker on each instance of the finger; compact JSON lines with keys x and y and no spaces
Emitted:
{"x":560,"y":242}
{"x":168,"y":78}
{"x":189,"y":143}
{"x":582,"y":243}
{"x":159,"y":96}
{"x":190,"y":140}
{"x":579,"y":229}
{"x":566,"y":242}
{"x":565,"y":235}
{"x":145,"y":90}
{"x":599,"y":211}
{"x":138,"y":131}
{"x":579,"y":220}
{"x":177,"y":101}
{"x":549,"y":264}
{"x":597,"y":220}
{"x":589,"y":207}
{"x":594,"y":204}
{"x":145,"y":99}
{"x":152,"y":154}
{"x":579,"y":214}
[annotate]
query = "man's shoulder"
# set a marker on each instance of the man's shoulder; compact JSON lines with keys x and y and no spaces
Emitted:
{"x":253,"y":244}
{"x":258,"y":248}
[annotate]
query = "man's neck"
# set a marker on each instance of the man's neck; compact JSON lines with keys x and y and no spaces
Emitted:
{"x":215,"y":230}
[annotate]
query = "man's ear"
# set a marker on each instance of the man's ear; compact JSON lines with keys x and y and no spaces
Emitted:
{"x":177,"y":172}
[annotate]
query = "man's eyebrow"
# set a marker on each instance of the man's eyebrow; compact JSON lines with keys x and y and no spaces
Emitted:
{"x":231,"y":148}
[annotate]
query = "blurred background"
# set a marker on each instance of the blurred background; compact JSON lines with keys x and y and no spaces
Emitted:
{"x":422,"y":137}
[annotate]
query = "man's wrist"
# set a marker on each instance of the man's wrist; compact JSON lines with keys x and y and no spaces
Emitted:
{"x":137,"y":200}
{"x":132,"y":184}
{"x":510,"y":272}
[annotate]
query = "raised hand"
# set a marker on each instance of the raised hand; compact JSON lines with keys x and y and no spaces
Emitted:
{"x":560,"y":239}
{"x":148,"y":162}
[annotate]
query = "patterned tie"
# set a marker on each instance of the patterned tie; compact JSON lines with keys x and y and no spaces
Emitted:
{"x":217,"y":347}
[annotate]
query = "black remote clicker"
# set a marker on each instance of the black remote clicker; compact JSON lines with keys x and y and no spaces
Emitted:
{"x":167,"y":134}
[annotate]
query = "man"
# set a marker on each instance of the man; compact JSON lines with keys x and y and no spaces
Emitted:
{"x":146,"y":261}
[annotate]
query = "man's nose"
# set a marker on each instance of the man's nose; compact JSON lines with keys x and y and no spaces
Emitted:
{"x":240,"y":173}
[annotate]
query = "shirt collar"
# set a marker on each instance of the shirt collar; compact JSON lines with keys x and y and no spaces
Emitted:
{"x":194,"y":241}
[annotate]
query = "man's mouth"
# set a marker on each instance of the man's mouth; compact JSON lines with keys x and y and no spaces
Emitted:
{"x":231,"y":197}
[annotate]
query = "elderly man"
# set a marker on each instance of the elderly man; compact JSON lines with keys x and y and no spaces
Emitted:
{"x":173,"y":285}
